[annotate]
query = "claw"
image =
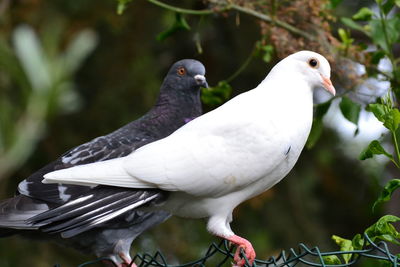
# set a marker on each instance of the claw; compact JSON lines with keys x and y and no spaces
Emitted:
{"x":248,"y":249}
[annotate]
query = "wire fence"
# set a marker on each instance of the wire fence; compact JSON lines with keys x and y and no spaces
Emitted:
{"x":221,"y":254}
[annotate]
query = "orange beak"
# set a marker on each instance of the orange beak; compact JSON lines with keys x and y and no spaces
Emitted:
{"x":328,"y":85}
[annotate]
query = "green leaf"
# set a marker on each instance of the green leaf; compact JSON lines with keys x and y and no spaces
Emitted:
{"x":357,"y":242}
{"x":377,"y":33}
{"x":268,"y":51}
{"x":351,"y":24}
{"x":374,"y":148}
{"x":387,"y":192}
{"x":322,"y":109}
{"x":384,"y":230}
{"x":392,"y":119}
{"x":179,"y":24}
{"x":345,"y":245}
{"x":363,"y":14}
{"x":317,"y":126}
{"x":331,"y":260}
{"x":265,"y":51}
{"x":121,"y":6}
{"x":386,"y":114}
{"x":350,"y":109}
{"x":342,"y":34}
{"x":377,"y":56}
{"x":386,"y":7}
{"x":335,"y":3}
{"x":397,"y":2}
{"x":345,"y":37}
{"x":393,"y":28}
{"x":315,"y":133}
{"x":214,"y":96}
{"x":378,"y":110}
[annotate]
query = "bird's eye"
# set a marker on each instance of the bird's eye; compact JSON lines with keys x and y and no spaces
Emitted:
{"x":314,"y":63}
{"x":181,"y":71}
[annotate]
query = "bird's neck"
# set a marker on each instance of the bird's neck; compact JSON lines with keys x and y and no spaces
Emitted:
{"x":289,"y":96}
{"x":287,"y":88}
{"x":177,"y":107}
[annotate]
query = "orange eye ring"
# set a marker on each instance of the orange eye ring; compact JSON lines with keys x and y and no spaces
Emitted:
{"x":181,"y":71}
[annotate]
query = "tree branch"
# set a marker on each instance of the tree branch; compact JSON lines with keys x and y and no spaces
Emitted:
{"x":181,"y":10}
{"x":241,"y":9}
{"x":268,"y":19}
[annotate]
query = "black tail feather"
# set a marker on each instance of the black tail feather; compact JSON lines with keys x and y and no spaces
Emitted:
{"x":92,"y":210}
{"x":14,"y":212}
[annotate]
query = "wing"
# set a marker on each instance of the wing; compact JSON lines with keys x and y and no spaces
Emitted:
{"x":220,"y":152}
{"x":93,"y":210}
{"x":204,"y":165}
{"x":117,"y":144}
{"x":212,"y":155}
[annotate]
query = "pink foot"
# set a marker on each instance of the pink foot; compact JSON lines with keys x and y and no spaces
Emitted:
{"x":126,"y":260}
{"x":244,"y":244}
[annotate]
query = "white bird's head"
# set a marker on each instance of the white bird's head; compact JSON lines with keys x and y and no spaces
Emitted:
{"x":313,"y":66}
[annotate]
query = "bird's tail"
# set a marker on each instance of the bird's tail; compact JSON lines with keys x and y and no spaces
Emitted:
{"x":94,"y":209}
{"x":14,"y":213}
{"x":109,"y":172}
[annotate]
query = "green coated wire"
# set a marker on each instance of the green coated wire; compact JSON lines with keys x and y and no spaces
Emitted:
{"x":304,"y":255}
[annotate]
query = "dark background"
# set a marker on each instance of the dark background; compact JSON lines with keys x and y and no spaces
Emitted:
{"x":327,"y":192}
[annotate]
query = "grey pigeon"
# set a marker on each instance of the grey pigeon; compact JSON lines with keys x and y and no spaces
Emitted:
{"x":218,"y":160}
{"x":178,"y":103}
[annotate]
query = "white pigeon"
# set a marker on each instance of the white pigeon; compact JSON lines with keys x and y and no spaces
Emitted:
{"x":231,"y":154}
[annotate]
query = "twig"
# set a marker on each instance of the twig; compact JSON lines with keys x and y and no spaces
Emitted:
{"x":396,"y":148}
{"x":277,"y":22}
{"x":181,"y":10}
{"x":389,"y":52}
{"x":242,"y":67}
{"x":242,"y":9}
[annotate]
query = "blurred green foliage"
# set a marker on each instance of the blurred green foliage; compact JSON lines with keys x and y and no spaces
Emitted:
{"x":44,"y":77}
{"x":383,"y":31}
{"x":74,"y":70}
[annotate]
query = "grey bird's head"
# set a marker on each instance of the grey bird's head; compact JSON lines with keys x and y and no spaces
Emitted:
{"x":186,"y":74}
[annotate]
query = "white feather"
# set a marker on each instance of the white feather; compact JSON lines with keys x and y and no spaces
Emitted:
{"x":109,"y":172}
